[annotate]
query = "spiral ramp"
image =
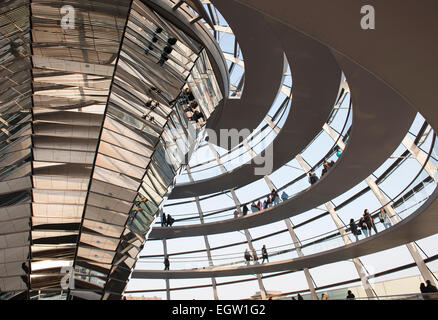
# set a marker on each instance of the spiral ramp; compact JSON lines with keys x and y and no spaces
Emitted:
{"x":87,"y":166}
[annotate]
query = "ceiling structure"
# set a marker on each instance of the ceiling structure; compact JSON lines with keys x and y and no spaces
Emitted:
{"x":98,"y":137}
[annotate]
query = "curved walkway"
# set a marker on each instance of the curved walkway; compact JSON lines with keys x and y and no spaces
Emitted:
{"x":264,"y":65}
{"x":421,"y":224}
{"x":400,"y":53}
{"x":380,"y":122}
{"x":316,"y":79}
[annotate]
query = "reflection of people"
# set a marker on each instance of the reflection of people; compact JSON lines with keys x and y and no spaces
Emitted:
{"x":189,"y":94}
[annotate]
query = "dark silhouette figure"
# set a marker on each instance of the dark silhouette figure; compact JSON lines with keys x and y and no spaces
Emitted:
{"x":170,"y":220}
{"x":264,"y":254}
{"x":431,"y":291}
{"x":163,"y":220}
{"x":423,"y":290}
{"x":353,"y":229}
{"x":245,"y":210}
{"x":312,"y":178}
{"x":166,"y":263}
{"x":350,"y":295}
{"x":299,"y":297}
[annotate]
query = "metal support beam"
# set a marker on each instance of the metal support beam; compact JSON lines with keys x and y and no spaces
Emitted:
{"x":296,"y":244}
{"x":384,"y":201}
{"x":300,"y":254}
{"x":207,"y":243}
{"x":247,"y":233}
{"x":167,"y":280}
{"x":421,"y":157}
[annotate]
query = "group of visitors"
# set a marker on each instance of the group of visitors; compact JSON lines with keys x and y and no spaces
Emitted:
{"x":366,"y":223}
{"x":193,"y":106}
{"x":326,"y":166}
{"x":299,"y":297}
{"x":272,"y":199}
{"x":151,"y":105}
{"x":248,"y":257}
{"x":167,"y":221}
{"x":313,"y":178}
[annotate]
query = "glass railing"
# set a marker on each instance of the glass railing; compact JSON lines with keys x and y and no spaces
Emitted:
{"x":409,"y":199}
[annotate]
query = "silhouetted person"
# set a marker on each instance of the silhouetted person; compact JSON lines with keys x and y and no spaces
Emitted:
{"x":299,"y":297}
{"x":166,"y":263}
{"x":247,"y":257}
{"x":431,"y":290}
{"x":163,"y":220}
{"x":350,"y":295}
{"x":369,"y":220}
{"x":264,"y":254}
{"x":245,"y":210}
{"x":363,"y":226}
{"x":423,"y":291}
{"x":312,"y":178}
{"x":430,"y":287}
{"x":353,"y":229}
{"x":170,"y":220}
